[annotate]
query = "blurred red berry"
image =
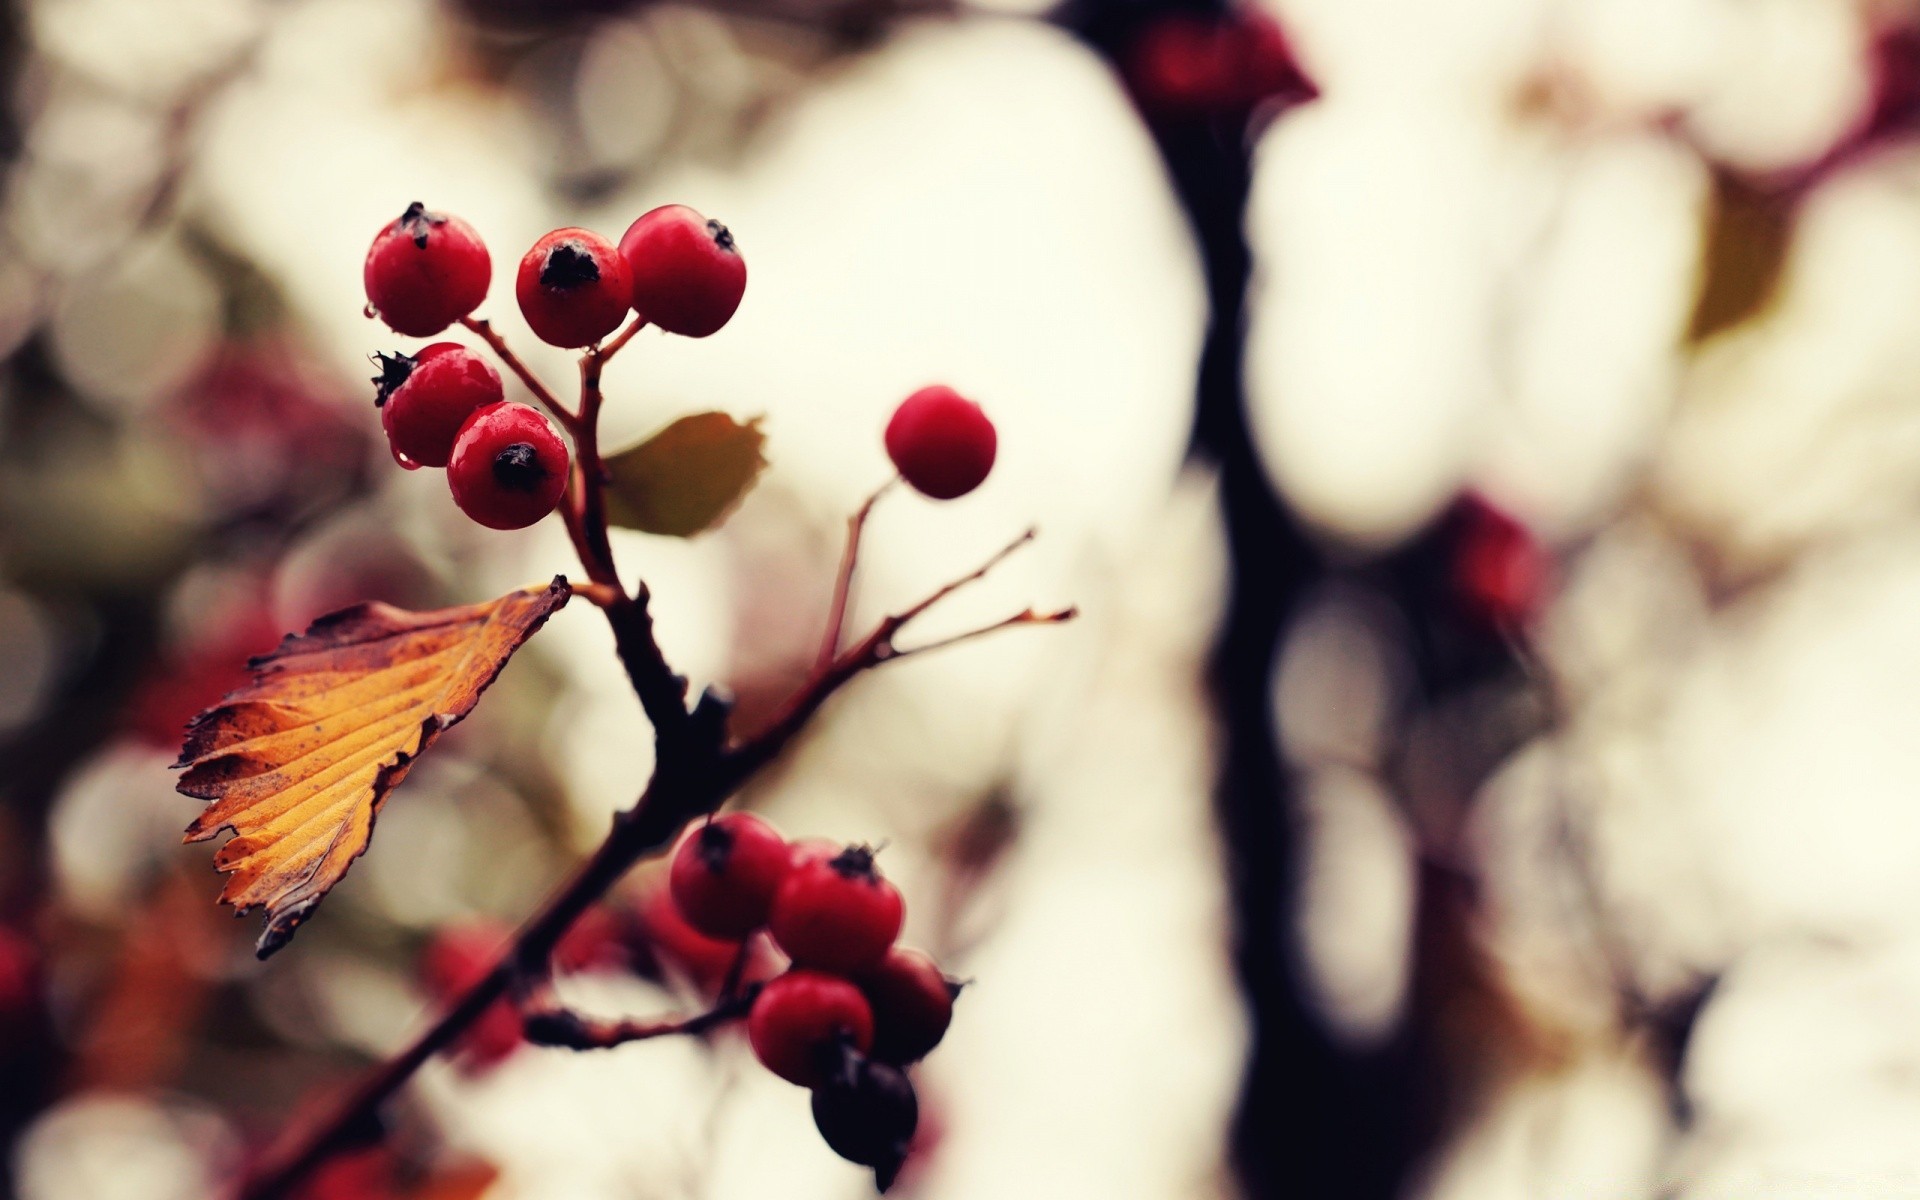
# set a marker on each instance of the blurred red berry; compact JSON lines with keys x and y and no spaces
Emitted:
{"x":941,"y":443}
{"x":1192,"y":64}
{"x":455,"y":959}
{"x":725,"y":873}
{"x":1500,"y":571}
{"x":687,"y":273}
{"x":912,"y":1004}
{"x":680,"y":948}
{"x":801,"y":1021}
{"x":836,"y":914}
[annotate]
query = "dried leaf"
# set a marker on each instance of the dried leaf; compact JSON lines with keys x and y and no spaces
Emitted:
{"x":686,"y":478}
{"x":299,"y":762}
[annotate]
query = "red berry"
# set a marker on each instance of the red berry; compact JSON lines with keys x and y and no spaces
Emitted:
{"x":424,"y":398}
{"x":680,"y":948}
{"x":426,"y":271}
{"x":941,"y":442}
{"x":836,"y":914}
{"x":725,"y":873}
{"x":458,"y":957}
{"x":573,"y":288}
{"x":508,"y":468}
{"x":1501,"y":572}
{"x":800,"y":1023}
{"x":688,"y":275}
{"x":912,"y":1005}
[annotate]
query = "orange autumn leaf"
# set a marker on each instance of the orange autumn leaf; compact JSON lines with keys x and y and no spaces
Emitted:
{"x":299,"y":762}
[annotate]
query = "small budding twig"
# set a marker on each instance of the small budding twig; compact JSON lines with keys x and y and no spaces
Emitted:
{"x":843,"y":582}
{"x":696,"y":768}
{"x":566,"y":1029}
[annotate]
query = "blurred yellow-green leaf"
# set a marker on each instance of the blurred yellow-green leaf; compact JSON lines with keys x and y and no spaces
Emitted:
{"x":685,"y":479}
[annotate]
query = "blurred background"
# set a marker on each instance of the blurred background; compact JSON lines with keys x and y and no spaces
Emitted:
{"x":1482,"y":438}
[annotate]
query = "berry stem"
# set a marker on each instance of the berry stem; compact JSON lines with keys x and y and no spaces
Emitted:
{"x":567,"y":1029}
{"x":843,"y":583}
{"x":745,"y":758}
{"x":483,"y":329}
{"x":612,"y":348}
{"x":1027,"y":617}
{"x":588,"y":487}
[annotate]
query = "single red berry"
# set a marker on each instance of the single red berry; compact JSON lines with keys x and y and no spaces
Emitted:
{"x":573,"y":288}
{"x":688,"y":275}
{"x":802,"y":1024}
{"x":426,"y":271}
{"x":458,"y":957}
{"x":424,"y":398}
{"x":508,"y":468}
{"x":1501,"y":573}
{"x":912,"y":1004}
{"x":836,"y":914}
{"x":941,"y":442}
{"x":725,"y":873}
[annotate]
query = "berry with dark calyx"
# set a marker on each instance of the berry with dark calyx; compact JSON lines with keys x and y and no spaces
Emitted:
{"x":725,"y":873}
{"x":508,"y":468}
{"x":912,"y":1004}
{"x":425,"y":271}
{"x":836,"y":914}
{"x":803,"y":1023}
{"x":687,"y":273}
{"x":941,"y":443}
{"x":573,"y":288}
{"x":867,"y":1114}
{"x":424,"y":398}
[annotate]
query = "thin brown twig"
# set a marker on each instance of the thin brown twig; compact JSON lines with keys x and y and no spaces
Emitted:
{"x":612,"y":348}
{"x":744,"y":758}
{"x":843,"y":582}
{"x":567,"y":1029}
{"x":483,"y":329}
{"x":1028,"y":617}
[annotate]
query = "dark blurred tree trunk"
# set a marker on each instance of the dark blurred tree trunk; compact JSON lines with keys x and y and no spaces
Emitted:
{"x":1314,"y":1119}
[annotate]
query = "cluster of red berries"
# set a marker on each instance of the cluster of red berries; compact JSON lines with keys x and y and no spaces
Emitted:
{"x":444,"y":407}
{"x":853,"y":1009}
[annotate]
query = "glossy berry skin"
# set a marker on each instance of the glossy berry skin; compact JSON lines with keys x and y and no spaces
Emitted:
{"x":912,"y":1004}
{"x":868,"y":1115}
{"x":426,"y":271}
{"x":424,"y":398}
{"x":573,"y":288}
{"x":725,"y":873}
{"x":941,"y":443}
{"x":836,"y":914}
{"x":687,"y":273}
{"x":508,"y":468}
{"x":802,"y":1022}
